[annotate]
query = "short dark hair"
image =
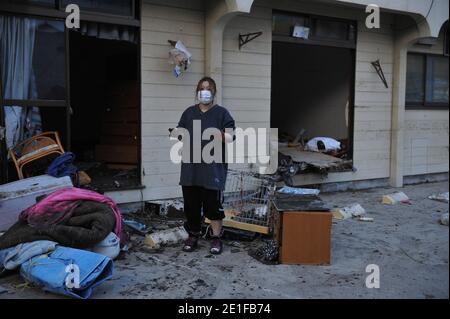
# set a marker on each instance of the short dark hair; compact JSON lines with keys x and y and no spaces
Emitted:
{"x":211,"y":82}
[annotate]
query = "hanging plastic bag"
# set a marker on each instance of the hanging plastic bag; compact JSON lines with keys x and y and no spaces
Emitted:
{"x":180,"y":57}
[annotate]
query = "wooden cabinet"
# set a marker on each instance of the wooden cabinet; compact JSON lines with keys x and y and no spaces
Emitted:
{"x":305,"y":238}
{"x":302,"y":228}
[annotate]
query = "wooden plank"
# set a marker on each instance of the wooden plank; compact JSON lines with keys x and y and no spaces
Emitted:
{"x":313,"y":158}
{"x":228,"y":222}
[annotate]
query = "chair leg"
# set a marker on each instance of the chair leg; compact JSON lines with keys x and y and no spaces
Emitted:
{"x":20,"y":173}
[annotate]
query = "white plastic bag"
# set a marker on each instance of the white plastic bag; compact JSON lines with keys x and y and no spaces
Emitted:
{"x":330,"y":144}
{"x":181,"y":57}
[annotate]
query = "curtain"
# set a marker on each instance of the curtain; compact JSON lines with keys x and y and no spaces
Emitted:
{"x":108,"y":31}
{"x":17,"y":39}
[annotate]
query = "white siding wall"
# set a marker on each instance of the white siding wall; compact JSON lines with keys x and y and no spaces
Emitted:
{"x":247,"y":72}
{"x":165,"y":97}
{"x":426,"y":144}
{"x":373,"y":101}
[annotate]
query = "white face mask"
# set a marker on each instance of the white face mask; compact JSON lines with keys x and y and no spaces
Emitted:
{"x":205,"y":96}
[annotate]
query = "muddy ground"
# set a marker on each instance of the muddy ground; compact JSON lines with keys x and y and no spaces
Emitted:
{"x":407,"y":242}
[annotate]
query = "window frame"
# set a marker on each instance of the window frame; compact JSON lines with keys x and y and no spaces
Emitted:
{"x":58,"y":12}
{"x":426,"y":105}
{"x":104,"y":14}
{"x":39,"y":102}
{"x":315,"y":39}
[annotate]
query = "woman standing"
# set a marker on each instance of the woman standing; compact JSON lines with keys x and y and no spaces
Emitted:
{"x":204,"y":182}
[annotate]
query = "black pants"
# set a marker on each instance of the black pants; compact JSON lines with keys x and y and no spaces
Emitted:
{"x":196,"y":198}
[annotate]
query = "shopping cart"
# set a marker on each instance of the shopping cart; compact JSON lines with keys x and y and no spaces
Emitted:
{"x":247,"y":200}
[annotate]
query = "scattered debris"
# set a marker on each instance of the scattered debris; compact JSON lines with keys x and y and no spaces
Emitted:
{"x":365,"y":219}
{"x":444,"y":219}
{"x":354,"y":210}
{"x":307,"y":161}
{"x":238,"y":234}
{"x":136,"y":226}
{"x":161,"y":227}
{"x":125,"y":248}
{"x":267,"y":253}
{"x":166,"y":237}
{"x":443,"y":197}
{"x":323,"y":144}
{"x":298,"y":191}
{"x":164,"y":207}
{"x":84,"y":178}
{"x":3,"y":290}
{"x":396,"y":198}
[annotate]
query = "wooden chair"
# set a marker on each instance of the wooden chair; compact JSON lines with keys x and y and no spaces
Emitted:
{"x":34,"y":148}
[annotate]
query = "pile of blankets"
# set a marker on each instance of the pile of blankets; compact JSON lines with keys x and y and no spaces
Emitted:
{"x":69,"y":225}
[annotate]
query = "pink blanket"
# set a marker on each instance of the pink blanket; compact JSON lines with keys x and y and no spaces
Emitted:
{"x":64,"y":199}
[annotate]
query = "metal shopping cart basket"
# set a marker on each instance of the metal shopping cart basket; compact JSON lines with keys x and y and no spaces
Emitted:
{"x":247,"y":200}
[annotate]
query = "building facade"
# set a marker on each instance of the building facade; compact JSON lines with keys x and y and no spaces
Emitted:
{"x":397,"y":130}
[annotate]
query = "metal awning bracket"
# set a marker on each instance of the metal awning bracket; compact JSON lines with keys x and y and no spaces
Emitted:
{"x":246,"y":38}
{"x":376,"y":64}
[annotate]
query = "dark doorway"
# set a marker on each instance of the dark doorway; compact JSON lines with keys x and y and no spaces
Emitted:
{"x":105,"y":95}
{"x":312,"y":90}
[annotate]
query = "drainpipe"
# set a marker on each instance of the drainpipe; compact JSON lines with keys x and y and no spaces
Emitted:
{"x":218,"y":14}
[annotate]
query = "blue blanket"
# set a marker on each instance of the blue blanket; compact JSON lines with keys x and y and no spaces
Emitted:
{"x":68,"y":271}
{"x":63,"y":166}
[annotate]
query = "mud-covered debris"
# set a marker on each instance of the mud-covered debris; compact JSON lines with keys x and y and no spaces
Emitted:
{"x":442,"y":197}
{"x":354,"y":210}
{"x":170,"y":236}
{"x":444,"y":219}
{"x":267,"y":253}
{"x":396,"y":198}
